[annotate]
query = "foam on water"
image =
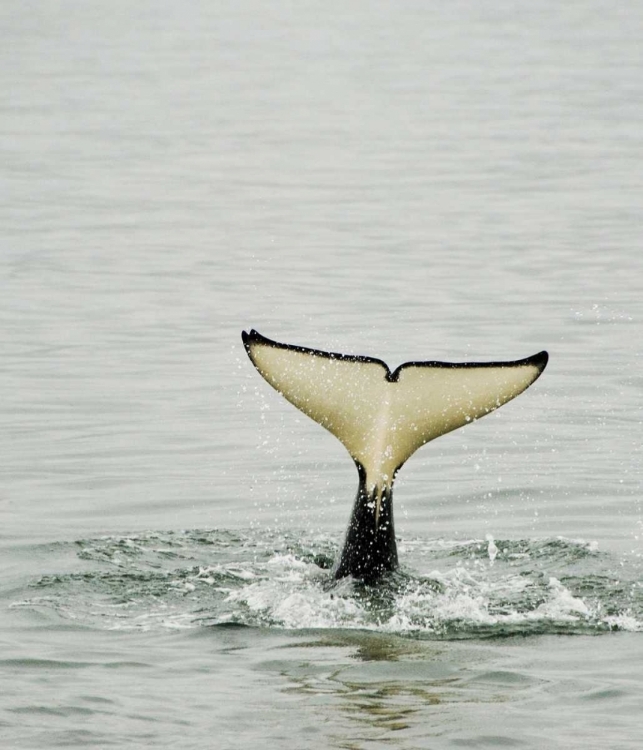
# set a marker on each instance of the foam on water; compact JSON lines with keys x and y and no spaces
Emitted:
{"x":446,"y":589}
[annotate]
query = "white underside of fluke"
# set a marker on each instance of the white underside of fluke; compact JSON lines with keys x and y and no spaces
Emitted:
{"x":382,"y":418}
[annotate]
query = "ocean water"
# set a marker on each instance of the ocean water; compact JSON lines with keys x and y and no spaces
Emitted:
{"x":408,"y":181}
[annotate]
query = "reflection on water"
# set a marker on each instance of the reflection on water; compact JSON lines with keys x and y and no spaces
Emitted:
{"x":376,"y":686}
{"x":384,"y":694}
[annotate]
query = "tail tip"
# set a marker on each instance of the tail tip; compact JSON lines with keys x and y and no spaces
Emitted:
{"x":249,"y":336}
{"x":540,"y":360}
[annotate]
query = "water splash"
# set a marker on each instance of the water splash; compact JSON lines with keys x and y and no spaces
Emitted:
{"x":447,"y":588}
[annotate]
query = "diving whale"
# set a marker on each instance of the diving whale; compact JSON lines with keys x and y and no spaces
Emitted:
{"x":382,"y":417}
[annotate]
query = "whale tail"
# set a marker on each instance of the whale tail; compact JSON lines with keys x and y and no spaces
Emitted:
{"x":382,"y":417}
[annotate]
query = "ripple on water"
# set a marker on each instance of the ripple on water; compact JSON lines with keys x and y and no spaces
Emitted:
{"x":447,"y":589}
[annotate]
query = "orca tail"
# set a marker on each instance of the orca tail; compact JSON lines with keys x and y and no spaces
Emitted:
{"x":382,"y":417}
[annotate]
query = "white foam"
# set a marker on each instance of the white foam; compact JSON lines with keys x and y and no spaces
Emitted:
{"x":492,"y":550}
{"x":562,"y":606}
{"x":624,"y":622}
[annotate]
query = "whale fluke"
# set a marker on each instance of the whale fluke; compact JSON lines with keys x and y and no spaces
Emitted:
{"x":382,"y":417}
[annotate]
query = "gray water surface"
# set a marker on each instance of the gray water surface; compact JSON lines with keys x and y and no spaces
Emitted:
{"x":407,"y":181}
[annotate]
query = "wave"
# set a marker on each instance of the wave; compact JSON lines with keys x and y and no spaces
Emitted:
{"x":447,"y":589}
